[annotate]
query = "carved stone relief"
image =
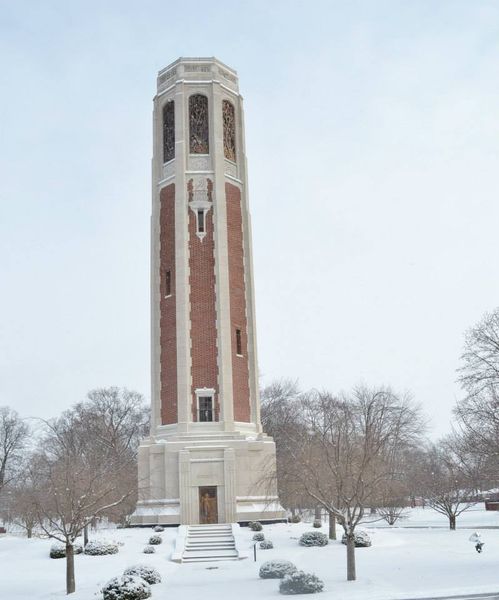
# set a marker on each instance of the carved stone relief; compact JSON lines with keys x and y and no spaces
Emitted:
{"x":197,"y":68}
{"x":167,"y":76}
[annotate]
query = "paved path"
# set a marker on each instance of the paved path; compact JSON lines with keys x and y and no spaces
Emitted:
{"x":461,"y":597}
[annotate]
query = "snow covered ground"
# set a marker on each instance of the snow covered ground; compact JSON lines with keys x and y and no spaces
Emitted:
{"x":403,"y":562}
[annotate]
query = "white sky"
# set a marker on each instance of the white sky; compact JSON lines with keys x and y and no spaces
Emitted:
{"x":373,"y":142}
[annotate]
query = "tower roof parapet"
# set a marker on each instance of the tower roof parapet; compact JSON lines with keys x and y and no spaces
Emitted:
{"x":197,"y":69}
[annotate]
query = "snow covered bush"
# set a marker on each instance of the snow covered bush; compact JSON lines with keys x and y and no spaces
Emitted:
{"x":158,"y":529}
{"x":295,"y":519}
{"x":313,"y":538}
{"x":258,"y":537}
{"x":266,"y":545}
{"x":361,"y":539}
{"x":149,"y":550}
{"x":145,"y":571}
{"x":155,"y":540}
{"x":276,"y":569}
{"x":317,"y":523}
{"x":300,"y":583}
{"x":255,"y":525}
{"x":126,"y":588}
{"x":58,"y":550}
{"x":101,"y":547}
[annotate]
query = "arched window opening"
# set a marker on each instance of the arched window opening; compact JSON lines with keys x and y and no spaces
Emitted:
{"x":229,"y":121}
{"x":198,"y":125}
{"x":169,"y":131}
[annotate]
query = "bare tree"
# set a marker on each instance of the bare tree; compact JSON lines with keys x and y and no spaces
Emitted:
{"x":88,"y":460}
{"x":477,"y":424}
{"x":13,"y":435}
{"x":348,"y":448}
{"x":477,"y":414}
{"x":74,"y":493}
{"x":392,"y":501}
{"x":280,"y":417}
{"x":480,"y":368}
{"x":448,"y":487}
{"x":24,"y":494}
{"x":115,"y":419}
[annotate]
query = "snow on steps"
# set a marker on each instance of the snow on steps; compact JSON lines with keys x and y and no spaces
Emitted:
{"x":205,"y":543}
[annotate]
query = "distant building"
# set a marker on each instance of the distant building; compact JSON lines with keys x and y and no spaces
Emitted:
{"x":492,"y":501}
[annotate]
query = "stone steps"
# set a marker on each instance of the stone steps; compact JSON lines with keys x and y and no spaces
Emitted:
{"x":206,"y":543}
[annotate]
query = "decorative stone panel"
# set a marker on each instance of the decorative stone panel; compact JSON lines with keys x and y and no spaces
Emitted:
{"x":199,"y":163}
{"x":230,"y":168}
{"x":168,"y":169}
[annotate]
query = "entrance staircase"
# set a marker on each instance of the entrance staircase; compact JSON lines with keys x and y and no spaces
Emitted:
{"x":206,"y":543}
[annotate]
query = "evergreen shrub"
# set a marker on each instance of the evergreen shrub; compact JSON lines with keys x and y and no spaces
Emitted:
{"x":101,"y":547}
{"x":313,"y":538}
{"x":276,"y":569}
{"x":126,"y":588}
{"x":145,"y":571}
{"x":300,"y":583}
{"x":155,"y":540}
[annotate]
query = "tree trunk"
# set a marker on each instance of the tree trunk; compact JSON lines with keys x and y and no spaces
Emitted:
{"x":317,"y":514}
{"x":452,"y":522}
{"x":29,"y":532}
{"x":85,"y":535}
{"x":70,"y":569}
{"x":351,"y":575}
{"x":332,"y":526}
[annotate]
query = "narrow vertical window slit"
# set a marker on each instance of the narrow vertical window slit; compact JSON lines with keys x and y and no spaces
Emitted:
{"x":239,"y":346}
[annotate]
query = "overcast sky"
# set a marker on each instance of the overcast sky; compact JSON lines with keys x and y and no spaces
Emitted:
{"x":372,"y":135}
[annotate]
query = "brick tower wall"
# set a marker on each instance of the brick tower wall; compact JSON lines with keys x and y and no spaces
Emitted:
{"x":168,"y":330}
{"x":240,"y":369}
{"x":203,"y":311}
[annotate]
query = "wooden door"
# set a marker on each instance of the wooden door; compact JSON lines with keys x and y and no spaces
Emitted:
{"x":208,"y":507}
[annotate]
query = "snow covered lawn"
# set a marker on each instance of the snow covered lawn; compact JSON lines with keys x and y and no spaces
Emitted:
{"x":403,"y":562}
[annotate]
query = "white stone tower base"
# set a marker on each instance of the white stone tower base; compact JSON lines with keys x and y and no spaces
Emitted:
{"x":237,"y":468}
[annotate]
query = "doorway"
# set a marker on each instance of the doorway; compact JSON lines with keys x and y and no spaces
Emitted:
{"x":208,"y":507}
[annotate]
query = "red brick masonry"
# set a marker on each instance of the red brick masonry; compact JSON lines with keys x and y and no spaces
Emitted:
{"x":240,"y":370}
{"x":203,"y":311}
{"x":168,"y":329}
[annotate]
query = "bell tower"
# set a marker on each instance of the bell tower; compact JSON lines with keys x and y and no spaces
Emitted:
{"x":207,"y":459}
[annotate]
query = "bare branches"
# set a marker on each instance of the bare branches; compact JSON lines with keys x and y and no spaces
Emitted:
{"x":477,"y":415}
{"x":448,"y":487}
{"x":341,"y":451}
{"x":13,"y":435}
{"x":86,"y":466}
{"x":480,"y":369}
